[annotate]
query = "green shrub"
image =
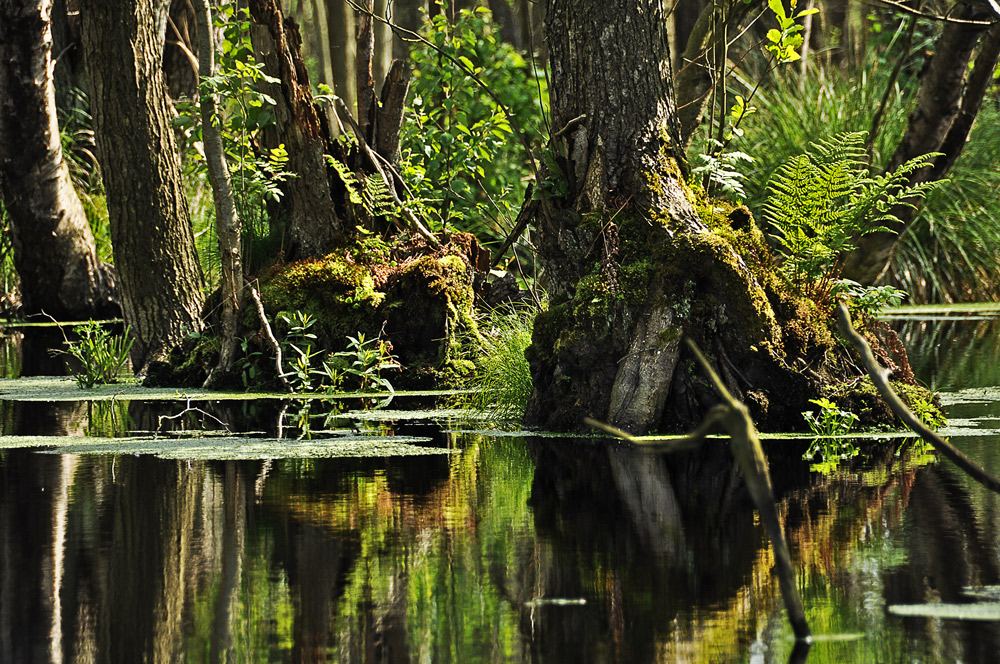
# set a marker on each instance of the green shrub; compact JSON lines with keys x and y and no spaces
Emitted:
{"x":460,"y":154}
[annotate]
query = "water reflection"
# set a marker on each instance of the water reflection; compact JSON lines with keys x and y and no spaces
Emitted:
{"x":510,"y":549}
{"x":484,"y":555}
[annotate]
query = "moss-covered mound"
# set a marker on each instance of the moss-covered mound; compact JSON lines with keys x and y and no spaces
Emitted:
{"x":650,"y":283}
{"x":417,"y":298}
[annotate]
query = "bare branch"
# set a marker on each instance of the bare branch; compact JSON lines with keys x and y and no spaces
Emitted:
{"x":880,"y":377}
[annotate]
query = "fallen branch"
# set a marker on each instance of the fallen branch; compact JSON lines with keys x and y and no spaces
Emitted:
{"x":880,"y":377}
{"x":269,"y":335}
{"x":188,"y":409}
{"x":734,"y":418}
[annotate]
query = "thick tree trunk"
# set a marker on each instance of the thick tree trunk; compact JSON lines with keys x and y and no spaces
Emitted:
{"x":629,"y":265}
{"x":307,"y":206}
{"x":54,"y":250}
{"x":946,"y":107}
{"x":150,"y":223}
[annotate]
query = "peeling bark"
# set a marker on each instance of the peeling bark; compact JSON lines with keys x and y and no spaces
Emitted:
{"x":390,"y":112}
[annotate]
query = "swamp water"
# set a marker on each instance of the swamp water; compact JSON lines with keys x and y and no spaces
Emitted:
{"x":128,"y":534}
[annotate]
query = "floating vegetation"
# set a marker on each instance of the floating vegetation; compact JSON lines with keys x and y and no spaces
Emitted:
{"x":50,"y":388}
{"x":939,"y":311}
{"x":219,"y":448}
{"x":941,"y":611}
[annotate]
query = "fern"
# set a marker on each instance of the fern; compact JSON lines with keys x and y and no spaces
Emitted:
{"x":378,"y":200}
{"x":822,"y":201}
{"x":347,"y":177}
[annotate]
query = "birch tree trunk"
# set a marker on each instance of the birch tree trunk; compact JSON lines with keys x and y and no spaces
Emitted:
{"x":227,"y":222}
{"x":54,"y":250}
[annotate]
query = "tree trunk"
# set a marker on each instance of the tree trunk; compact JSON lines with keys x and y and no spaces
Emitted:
{"x":180,"y":59}
{"x":150,"y":223}
{"x":307,"y":206}
{"x":340,"y":22}
{"x":407,"y":14}
{"x":365,"y":78}
{"x":54,"y":250}
{"x":946,"y":106}
{"x":629,"y":266}
{"x":382,"y":55}
{"x":227,"y":222}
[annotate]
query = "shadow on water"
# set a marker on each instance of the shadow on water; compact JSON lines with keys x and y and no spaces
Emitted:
{"x":500,"y":548}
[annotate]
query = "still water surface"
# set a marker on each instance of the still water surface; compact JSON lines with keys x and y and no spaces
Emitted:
{"x":494,"y":548}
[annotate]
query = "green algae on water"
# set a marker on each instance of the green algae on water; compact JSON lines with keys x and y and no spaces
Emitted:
{"x":231,"y":447}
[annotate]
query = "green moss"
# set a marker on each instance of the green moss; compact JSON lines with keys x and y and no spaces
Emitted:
{"x":430,"y":309}
{"x":339,"y":292}
{"x":862,"y":399}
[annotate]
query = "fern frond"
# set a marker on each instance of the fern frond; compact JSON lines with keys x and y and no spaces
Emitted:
{"x":821,"y":201}
{"x":348,"y":178}
{"x":378,"y":200}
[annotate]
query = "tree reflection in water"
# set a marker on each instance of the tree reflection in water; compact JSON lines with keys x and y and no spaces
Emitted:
{"x":540,"y":550}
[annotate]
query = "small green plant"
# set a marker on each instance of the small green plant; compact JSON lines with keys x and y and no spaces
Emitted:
{"x":362,"y":364}
{"x":867,"y":301}
{"x":102,"y":356}
{"x":306,"y":368}
{"x":719,"y":172}
{"x":785,"y":41}
{"x":831,"y":421}
{"x":503,"y":377}
{"x":297,"y":349}
{"x":821,"y":201}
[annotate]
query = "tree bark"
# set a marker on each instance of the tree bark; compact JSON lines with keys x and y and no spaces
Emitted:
{"x":54,"y":250}
{"x":365,"y":78}
{"x":227,"y":222}
{"x":180,"y":60}
{"x":629,"y":266}
{"x":382,"y":55}
{"x":946,"y":107}
{"x":407,"y":14}
{"x":307,"y":206}
{"x":150,"y":223}
{"x":340,"y":21}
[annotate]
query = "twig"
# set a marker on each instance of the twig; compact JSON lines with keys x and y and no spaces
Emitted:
{"x":934,"y":17}
{"x":269,"y":335}
{"x":880,"y":377}
{"x":188,"y":409}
